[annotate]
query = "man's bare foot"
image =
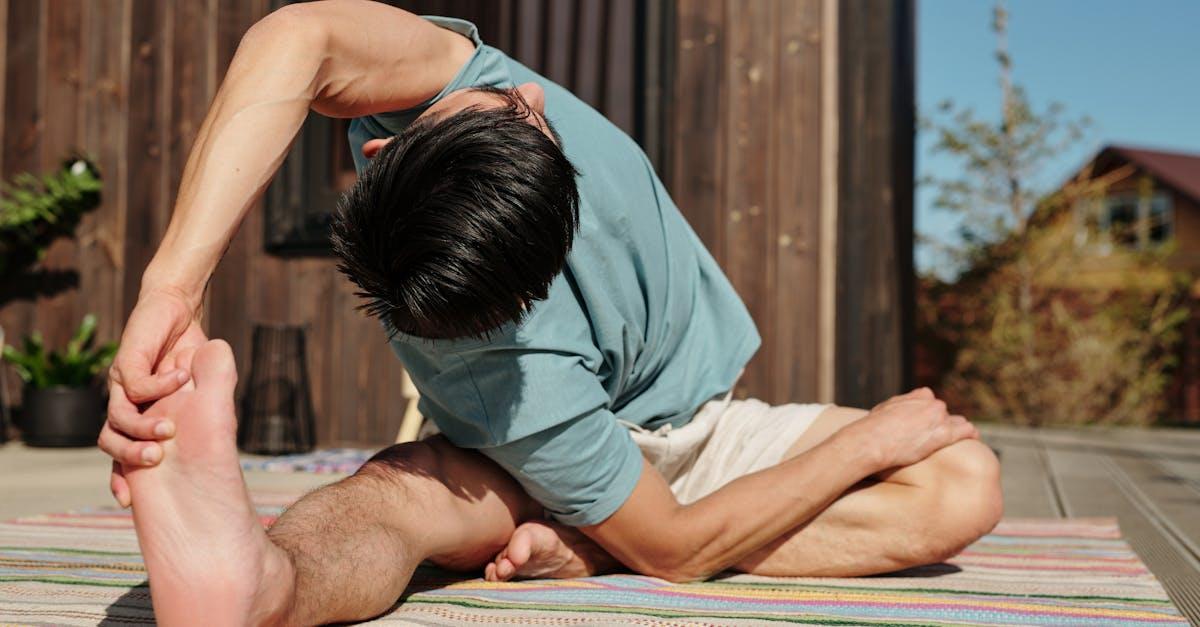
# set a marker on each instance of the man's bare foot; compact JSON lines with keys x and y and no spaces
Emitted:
{"x":542,"y":549}
{"x":207,"y":555}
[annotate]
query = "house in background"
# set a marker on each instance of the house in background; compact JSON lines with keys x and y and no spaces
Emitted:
{"x":1125,"y":199}
{"x":1150,"y":198}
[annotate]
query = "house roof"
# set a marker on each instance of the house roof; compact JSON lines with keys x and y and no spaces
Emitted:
{"x":1179,"y":170}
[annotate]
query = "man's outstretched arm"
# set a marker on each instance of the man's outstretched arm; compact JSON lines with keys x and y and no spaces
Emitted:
{"x":652,"y":533}
{"x":338,"y":57}
{"x":342,"y":58}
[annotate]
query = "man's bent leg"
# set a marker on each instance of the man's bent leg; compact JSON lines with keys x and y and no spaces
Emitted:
{"x":910,"y":516}
{"x":355,"y":544}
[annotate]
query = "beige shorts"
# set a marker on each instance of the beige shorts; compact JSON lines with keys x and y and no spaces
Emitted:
{"x":725,"y":440}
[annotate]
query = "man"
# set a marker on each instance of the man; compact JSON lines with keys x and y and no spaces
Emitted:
{"x":568,"y":332}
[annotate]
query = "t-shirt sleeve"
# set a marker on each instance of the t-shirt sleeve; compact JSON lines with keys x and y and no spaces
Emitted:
{"x":543,"y":416}
{"x":581,"y":470}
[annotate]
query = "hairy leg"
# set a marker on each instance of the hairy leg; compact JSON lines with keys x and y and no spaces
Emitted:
{"x":911,"y":516}
{"x":343,"y":553}
{"x":355,"y":544}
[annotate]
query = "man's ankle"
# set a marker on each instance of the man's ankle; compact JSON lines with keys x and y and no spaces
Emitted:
{"x":275,"y":600}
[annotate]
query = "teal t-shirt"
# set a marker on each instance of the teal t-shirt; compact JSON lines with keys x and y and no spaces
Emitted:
{"x":641,"y":325}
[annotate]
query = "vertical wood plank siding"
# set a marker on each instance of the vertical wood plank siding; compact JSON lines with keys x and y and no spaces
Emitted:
{"x":60,"y":123}
{"x":725,"y":95}
{"x":24,"y":100}
{"x":875,"y":229}
{"x":746,"y":159}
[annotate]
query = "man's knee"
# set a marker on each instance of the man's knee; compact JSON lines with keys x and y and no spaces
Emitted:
{"x":972,"y":471}
{"x":971,"y":496}
{"x":966,"y":502}
{"x":408,"y":462}
{"x":389,"y":491}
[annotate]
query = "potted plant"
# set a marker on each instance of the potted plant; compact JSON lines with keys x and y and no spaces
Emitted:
{"x":63,"y":402}
{"x":34,"y":212}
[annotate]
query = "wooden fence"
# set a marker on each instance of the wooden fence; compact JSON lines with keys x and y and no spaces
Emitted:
{"x":781,"y":127}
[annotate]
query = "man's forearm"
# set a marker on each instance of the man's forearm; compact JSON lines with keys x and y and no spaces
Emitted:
{"x":343,"y":58}
{"x":721,"y":529}
{"x":752,"y":511}
{"x":255,"y":116}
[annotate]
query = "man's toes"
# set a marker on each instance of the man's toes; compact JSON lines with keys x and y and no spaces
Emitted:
{"x":214,"y":367}
{"x":520,"y":547}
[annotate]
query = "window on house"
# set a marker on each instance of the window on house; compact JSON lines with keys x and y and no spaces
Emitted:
{"x":1161,"y":222}
{"x":1136,"y":220}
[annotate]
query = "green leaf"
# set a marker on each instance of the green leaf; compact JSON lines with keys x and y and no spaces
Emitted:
{"x":34,"y":347}
{"x":83,"y":336}
{"x":34,"y":211}
{"x":20,"y":363}
{"x":103,"y":357}
{"x":75,"y":367}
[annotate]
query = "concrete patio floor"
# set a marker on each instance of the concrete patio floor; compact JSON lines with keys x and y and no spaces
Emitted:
{"x":40,"y":480}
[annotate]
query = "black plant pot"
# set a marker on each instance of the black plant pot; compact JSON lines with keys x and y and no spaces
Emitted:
{"x":62,"y":416}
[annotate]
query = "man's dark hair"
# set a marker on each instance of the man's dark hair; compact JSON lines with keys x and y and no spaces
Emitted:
{"x":459,"y":224}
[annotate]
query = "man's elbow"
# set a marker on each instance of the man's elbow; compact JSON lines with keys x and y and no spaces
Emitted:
{"x":679,"y":574}
{"x":302,"y":26}
{"x":684,"y":571}
{"x":676,"y":564}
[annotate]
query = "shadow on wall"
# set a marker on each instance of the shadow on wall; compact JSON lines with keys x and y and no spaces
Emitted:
{"x":33,"y":284}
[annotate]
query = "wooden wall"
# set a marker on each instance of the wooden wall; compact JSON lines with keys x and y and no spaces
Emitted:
{"x":748,"y":145}
{"x":792,"y":129}
{"x":746,"y":170}
{"x":876,"y":280}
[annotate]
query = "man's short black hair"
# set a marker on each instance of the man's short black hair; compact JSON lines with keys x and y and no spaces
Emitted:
{"x":459,"y":224}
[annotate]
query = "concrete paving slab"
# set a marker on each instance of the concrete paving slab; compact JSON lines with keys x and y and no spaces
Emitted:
{"x":40,"y":480}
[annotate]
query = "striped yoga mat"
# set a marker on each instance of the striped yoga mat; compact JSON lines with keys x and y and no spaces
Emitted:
{"x":83,"y":568}
{"x":324,"y":461}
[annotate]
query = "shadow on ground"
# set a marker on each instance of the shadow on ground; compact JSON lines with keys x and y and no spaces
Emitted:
{"x":132,"y":608}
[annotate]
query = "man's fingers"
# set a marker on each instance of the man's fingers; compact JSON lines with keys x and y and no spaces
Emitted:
{"x":119,"y":486}
{"x":151,"y":387}
{"x":919,"y":394}
{"x":127,"y":451}
{"x":961,"y":429}
{"x":922,"y":392}
{"x":181,"y":360}
{"x":971,"y":430}
{"x":125,"y":418}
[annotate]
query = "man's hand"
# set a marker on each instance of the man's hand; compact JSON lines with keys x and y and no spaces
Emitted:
{"x":906,"y":429}
{"x":151,"y":363}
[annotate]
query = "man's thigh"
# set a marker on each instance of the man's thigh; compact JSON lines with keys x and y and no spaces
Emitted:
{"x":826,"y":424}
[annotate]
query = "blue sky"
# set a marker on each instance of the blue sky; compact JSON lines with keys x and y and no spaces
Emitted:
{"x":1133,"y":67}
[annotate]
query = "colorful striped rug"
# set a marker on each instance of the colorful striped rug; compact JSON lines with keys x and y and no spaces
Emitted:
{"x":83,"y":568}
{"x":324,"y":461}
